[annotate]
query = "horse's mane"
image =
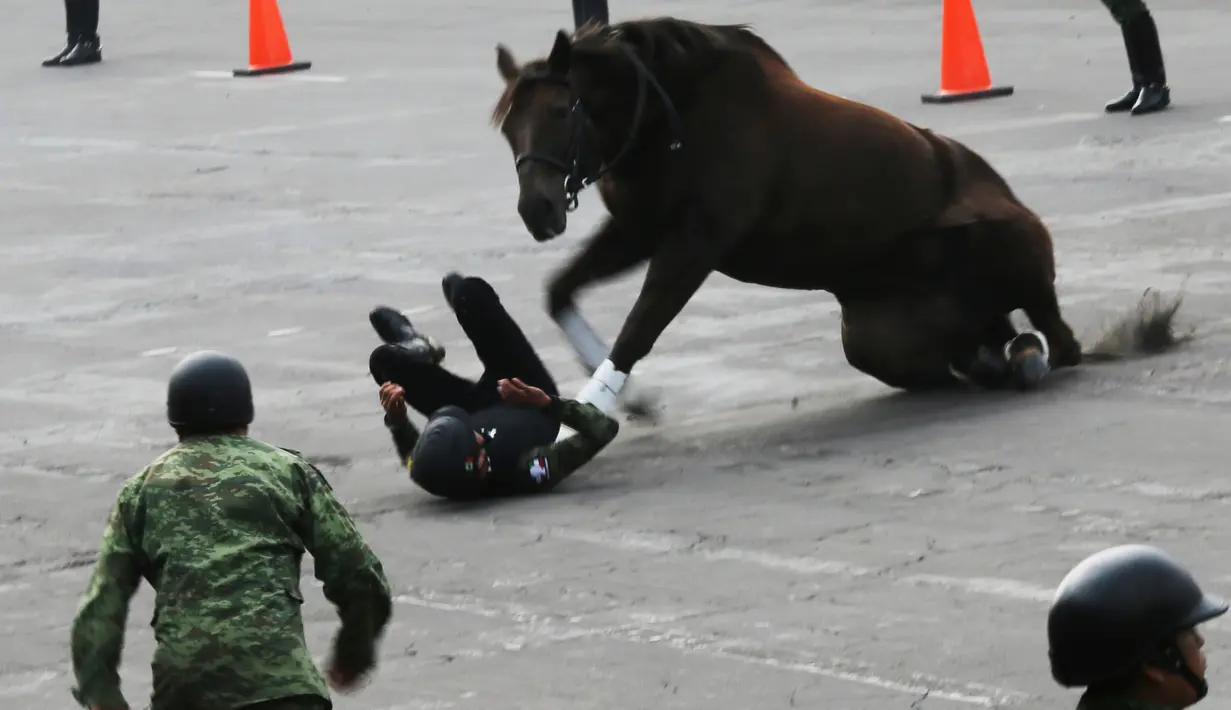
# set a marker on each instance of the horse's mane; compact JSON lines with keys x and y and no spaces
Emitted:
{"x":667,"y":45}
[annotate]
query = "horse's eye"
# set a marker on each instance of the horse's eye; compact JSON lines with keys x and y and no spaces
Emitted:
{"x":560,"y":112}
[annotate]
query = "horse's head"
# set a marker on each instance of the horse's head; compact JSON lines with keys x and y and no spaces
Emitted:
{"x":573,"y":116}
{"x":536,"y":116}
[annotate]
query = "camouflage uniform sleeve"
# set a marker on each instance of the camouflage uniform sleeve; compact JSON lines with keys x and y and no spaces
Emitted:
{"x":353,"y":578}
{"x":405,"y":436}
{"x":97,"y":636}
{"x":545,"y":466}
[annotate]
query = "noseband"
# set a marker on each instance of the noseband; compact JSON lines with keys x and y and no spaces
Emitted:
{"x":576,"y":177}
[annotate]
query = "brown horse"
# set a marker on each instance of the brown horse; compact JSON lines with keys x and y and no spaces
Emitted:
{"x":712,"y":155}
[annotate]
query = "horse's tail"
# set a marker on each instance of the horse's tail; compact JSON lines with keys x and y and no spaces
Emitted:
{"x":1147,"y":330}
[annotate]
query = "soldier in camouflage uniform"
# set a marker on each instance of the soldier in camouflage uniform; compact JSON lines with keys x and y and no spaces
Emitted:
{"x":218,"y":525}
{"x":490,"y":437}
{"x":1123,"y":625}
{"x":1145,"y":59}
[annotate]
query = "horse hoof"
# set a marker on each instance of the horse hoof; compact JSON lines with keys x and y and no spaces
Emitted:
{"x":1028,"y":361}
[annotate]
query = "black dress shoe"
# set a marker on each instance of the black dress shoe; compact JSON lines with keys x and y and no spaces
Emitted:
{"x":395,"y":328}
{"x":1125,"y":102}
{"x":87,"y":51}
{"x":54,"y":61}
{"x":1154,"y":97}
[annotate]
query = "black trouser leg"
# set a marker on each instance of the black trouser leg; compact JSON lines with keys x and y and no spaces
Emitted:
{"x":501,"y":345}
{"x":89,"y":17}
{"x":81,"y":18}
{"x":1149,"y":48}
{"x":427,"y":387}
{"x":589,"y":10}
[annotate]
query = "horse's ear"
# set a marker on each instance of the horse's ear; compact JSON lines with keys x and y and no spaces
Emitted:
{"x":506,"y":64}
{"x":561,"y":54}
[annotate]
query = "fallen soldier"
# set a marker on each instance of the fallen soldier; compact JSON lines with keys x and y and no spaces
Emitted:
{"x":483,"y":438}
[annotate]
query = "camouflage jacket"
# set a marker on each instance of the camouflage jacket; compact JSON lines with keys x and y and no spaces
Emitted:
{"x":541,"y":467}
{"x":218,"y":525}
{"x":1094,"y":700}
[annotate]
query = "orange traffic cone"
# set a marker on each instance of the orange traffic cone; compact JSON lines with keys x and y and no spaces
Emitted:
{"x":963,"y":66}
{"x":269,"y":52}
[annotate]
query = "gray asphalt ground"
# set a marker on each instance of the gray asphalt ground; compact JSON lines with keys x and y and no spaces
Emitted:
{"x":792,"y":534}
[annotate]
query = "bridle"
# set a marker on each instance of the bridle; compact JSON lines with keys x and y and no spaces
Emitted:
{"x":576,"y":175}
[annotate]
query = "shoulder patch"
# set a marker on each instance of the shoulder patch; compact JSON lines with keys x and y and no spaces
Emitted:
{"x":540,"y":470}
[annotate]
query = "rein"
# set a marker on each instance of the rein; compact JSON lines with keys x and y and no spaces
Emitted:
{"x":576,"y":177}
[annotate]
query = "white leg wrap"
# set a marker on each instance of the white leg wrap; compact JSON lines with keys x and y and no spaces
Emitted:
{"x":589,"y":346}
{"x":604,"y":387}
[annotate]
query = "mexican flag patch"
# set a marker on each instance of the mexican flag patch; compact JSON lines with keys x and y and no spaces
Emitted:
{"x":539,"y":469}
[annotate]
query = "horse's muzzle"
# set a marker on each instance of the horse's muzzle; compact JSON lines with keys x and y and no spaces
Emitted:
{"x":544,"y":218}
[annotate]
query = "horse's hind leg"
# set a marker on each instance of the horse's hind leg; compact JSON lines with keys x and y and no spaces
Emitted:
{"x":911,"y":343}
{"x":988,"y":365}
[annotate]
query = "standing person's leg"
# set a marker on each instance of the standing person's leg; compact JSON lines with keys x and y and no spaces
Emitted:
{"x":589,"y":10}
{"x":498,"y":340}
{"x":1150,"y":92}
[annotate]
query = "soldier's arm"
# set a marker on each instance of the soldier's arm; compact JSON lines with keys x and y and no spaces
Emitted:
{"x":405,"y":436}
{"x":545,"y":466}
{"x":97,"y":636}
{"x":353,"y":578}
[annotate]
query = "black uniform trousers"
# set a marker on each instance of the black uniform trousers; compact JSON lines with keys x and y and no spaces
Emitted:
{"x":498,"y":341}
{"x":81,"y":18}
{"x":589,"y":10}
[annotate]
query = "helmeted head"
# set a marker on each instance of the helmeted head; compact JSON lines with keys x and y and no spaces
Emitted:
{"x":209,"y":392}
{"x":1125,"y":617}
{"x":449,"y":459}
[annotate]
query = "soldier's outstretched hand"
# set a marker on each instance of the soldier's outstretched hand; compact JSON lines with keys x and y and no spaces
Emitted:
{"x":514,"y":391}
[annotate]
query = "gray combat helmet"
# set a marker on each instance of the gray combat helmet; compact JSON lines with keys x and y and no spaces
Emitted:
{"x":1121,"y":608}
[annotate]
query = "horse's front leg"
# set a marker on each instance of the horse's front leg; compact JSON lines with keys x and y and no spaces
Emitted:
{"x":676,"y":272}
{"x":615,"y":248}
